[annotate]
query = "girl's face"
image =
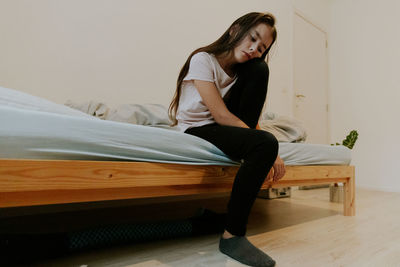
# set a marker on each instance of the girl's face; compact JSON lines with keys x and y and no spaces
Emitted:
{"x":258,"y":39}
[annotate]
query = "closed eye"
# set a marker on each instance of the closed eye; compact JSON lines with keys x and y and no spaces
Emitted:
{"x":253,"y":39}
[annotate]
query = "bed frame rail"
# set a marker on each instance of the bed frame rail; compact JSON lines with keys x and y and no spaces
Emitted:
{"x":43,"y":182}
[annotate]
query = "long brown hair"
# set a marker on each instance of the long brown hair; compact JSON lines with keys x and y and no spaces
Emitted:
{"x":226,"y":43}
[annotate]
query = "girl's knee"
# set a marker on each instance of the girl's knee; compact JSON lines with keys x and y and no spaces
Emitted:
{"x":270,"y":140}
{"x":257,"y":67}
{"x":269,"y":146}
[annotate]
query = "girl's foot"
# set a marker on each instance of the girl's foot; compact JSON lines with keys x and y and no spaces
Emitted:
{"x":240,"y":249}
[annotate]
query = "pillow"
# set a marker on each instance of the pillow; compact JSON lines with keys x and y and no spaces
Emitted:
{"x":93,"y":108}
{"x":143,"y":114}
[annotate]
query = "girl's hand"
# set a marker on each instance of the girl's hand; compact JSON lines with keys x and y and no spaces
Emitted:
{"x":277,"y":171}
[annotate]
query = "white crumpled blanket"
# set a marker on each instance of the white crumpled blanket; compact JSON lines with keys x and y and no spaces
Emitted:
{"x":284,"y":128}
{"x":142,"y":114}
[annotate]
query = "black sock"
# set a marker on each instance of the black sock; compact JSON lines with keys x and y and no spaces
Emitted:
{"x":240,"y":249}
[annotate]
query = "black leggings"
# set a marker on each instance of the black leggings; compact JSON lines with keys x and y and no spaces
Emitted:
{"x":257,"y":148}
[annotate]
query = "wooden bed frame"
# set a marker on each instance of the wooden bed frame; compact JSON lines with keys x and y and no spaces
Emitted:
{"x":43,"y":182}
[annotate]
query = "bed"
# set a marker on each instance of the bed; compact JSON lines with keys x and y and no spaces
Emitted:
{"x":50,"y":154}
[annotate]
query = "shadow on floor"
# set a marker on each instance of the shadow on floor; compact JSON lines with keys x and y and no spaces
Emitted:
{"x":269,"y":215}
{"x":77,"y":232}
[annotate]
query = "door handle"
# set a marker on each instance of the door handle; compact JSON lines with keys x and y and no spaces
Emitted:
{"x":299,"y":96}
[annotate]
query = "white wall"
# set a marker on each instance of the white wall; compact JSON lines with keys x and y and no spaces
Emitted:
{"x":365,"y":86}
{"x":122,"y":51}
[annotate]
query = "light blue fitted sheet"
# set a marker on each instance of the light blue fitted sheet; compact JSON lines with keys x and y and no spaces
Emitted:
{"x":36,"y":134}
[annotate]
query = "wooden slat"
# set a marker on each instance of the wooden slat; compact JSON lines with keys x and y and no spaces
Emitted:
{"x":25,"y":175}
{"x":284,"y":183}
{"x":317,"y":172}
{"x":59,"y":196}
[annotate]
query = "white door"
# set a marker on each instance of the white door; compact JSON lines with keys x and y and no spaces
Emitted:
{"x":311,"y":80}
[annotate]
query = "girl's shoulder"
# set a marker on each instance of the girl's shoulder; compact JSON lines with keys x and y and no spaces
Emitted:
{"x":203,"y":58}
{"x":202,"y":54}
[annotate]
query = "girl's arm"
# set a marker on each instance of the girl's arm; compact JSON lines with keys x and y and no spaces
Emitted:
{"x":213,"y":100}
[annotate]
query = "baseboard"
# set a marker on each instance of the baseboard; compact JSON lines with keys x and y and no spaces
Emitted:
{"x":379,"y":188}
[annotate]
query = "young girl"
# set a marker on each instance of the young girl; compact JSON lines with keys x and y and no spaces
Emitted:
{"x":220,"y":94}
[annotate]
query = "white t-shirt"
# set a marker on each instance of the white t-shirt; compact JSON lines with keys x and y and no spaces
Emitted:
{"x":192,"y":112}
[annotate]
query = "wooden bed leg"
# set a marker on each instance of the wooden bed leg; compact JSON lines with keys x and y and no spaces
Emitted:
{"x":349,"y":196}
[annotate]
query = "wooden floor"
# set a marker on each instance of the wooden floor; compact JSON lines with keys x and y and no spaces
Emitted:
{"x":303,"y":230}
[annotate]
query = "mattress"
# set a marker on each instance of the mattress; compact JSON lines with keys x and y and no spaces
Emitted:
{"x":57,"y":132}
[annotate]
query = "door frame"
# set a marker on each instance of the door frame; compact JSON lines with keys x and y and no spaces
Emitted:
{"x":298,"y":13}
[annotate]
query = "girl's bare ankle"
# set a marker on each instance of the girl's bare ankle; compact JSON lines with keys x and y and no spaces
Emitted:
{"x":226,"y":235}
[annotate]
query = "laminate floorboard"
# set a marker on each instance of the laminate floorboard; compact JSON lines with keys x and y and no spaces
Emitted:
{"x":303,"y":230}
